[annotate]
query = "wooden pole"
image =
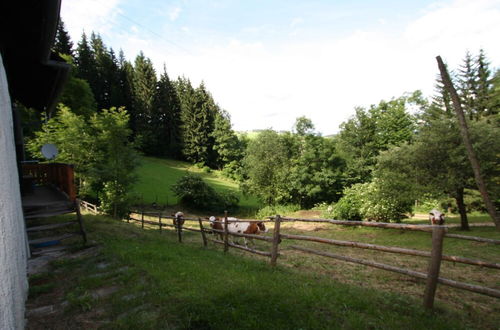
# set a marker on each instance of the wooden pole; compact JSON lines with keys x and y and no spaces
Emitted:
{"x":226,"y":233}
{"x":434,"y":266}
{"x":203,"y":237}
{"x":276,"y":240}
{"x":80,"y":221}
{"x":159,"y":220}
{"x":142,"y":219}
{"x":128,"y":217}
{"x":464,"y":131}
{"x":178,"y":220}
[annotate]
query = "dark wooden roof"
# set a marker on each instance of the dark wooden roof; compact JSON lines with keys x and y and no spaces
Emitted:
{"x":27,"y":31}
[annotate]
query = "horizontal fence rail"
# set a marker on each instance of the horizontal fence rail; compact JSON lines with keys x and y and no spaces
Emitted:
{"x":392,"y":249}
{"x":473,"y":238}
{"x":427,"y":228}
{"x":460,"y":285}
{"x":435,"y":256}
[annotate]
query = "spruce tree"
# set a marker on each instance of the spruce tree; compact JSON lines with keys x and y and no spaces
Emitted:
{"x":196,"y":123}
{"x":144,"y":87}
{"x":168,"y":110}
{"x":86,"y":65}
{"x":62,"y":44}
{"x":467,"y":85}
{"x":226,"y":143}
{"x":125,"y":82}
{"x":484,"y":91}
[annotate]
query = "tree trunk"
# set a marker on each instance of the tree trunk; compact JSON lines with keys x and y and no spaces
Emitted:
{"x":459,"y":198}
{"x":448,"y":85}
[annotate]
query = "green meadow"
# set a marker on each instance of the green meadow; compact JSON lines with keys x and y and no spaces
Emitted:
{"x":156,"y":177}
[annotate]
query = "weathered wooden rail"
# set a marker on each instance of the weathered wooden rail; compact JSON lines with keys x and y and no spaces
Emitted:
{"x":435,"y":256}
{"x":89,"y":207}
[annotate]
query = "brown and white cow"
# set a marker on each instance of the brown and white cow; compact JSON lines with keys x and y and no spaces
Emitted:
{"x":436,"y":217}
{"x":246,"y":227}
{"x":217,"y":224}
{"x":238,"y":227}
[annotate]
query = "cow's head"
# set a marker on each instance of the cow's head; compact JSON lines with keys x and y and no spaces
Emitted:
{"x":436,"y":217}
{"x":179,"y":218}
{"x":262,"y":227}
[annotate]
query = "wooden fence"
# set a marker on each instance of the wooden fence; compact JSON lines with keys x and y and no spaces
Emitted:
{"x":435,"y":255}
{"x":89,"y":207}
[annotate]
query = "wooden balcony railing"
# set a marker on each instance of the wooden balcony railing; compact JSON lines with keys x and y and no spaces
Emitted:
{"x":58,"y":175}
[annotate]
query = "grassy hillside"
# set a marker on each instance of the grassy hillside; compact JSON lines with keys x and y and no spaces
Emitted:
{"x":141,"y":279}
{"x":156,"y":176}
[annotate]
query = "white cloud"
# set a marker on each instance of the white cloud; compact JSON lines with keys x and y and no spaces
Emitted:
{"x":264,"y":85}
{"x":174,"y":13}
{"x":88,"y":15}
{"x":296,"y":21}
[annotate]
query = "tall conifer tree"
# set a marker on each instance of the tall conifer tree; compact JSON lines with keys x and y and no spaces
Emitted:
{"x":168,"y":110}
{"x":62,"y":44}
{"x":85,"y":63}
{"x":144,"y":88}
{"x":467,"y":84}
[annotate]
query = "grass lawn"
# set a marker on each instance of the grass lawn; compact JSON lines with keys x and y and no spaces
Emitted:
{"x":141,"y":279}
{"x":157,"y":175}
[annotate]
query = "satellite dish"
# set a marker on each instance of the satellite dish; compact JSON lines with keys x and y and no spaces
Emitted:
{"x":49,"y":151}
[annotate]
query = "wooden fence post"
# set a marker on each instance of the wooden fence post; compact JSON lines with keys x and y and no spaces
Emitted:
{"x":128,"y":217}
{"x":434,"y":266}
{"x":142,"y":218}
{"x":226,"y":233}
{"x":202,"y":233}
{"x":276,"y":240}
{"x":159,"y":220}
{"x":80,"y":221}
{"x":179,"y":222}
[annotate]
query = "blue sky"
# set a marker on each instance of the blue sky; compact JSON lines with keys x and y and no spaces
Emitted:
{"x":269,"y":62}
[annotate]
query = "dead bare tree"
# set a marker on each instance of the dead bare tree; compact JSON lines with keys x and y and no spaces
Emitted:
{"x":464,"y":131}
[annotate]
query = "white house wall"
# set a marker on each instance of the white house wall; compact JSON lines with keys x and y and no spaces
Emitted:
{"x":13,"y":257}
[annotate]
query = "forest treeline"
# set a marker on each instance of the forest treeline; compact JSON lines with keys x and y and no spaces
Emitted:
{"x":384,"y":157}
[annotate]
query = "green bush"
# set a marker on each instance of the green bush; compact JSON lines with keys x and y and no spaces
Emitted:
{"x":114,"y":200}
{"x":193,"y":192}
{"x":349,"y":206}
{"x":369,"y":201}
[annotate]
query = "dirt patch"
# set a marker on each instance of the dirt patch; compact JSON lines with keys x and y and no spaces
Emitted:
{"x":307,"y":214}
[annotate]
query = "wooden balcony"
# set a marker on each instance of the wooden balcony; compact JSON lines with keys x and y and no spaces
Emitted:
{"x":57,"y":175}
{"x":49,"y":190}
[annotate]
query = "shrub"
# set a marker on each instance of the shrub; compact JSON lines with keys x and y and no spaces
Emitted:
{"x":228,"y":202}
{"x":349,"y":206}
{"x":194,"y":192}
{"x":369,"y":201}
{"x":114,"y":200}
